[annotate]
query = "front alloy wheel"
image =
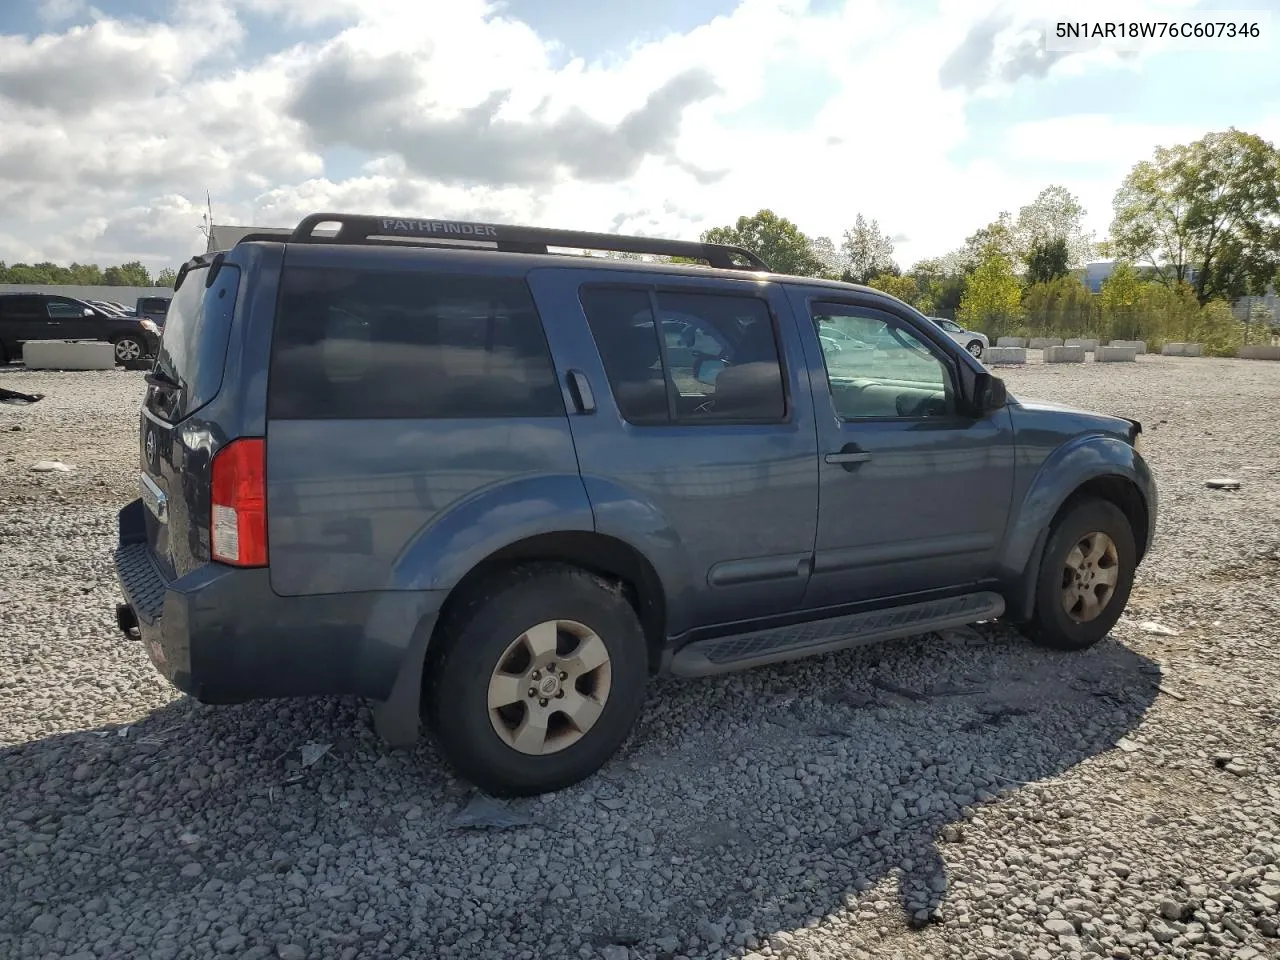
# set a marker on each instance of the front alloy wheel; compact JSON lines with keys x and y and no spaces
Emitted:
{"x":975,"y":349}
{"x":1089,"y":577}
{"x":1085,"y":575}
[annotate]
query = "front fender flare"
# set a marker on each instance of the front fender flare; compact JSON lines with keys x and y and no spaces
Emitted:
{"x":1060,"y":475}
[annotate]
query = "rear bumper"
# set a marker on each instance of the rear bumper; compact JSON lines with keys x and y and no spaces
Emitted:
{"x":222,"y":634}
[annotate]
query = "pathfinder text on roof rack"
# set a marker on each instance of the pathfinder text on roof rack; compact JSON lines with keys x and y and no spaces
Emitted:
{"x":418,"y":227}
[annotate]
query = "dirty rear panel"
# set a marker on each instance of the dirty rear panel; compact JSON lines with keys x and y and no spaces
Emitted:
{"x":204,"y":382}
{"x":412,"y":396}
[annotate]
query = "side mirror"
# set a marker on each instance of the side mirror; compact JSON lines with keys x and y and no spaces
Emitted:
{"x":989,"y":395}
{"x":88,"y":312}
{"x":706,"y":369}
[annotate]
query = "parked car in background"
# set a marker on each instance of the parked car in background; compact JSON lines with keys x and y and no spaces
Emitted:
{"x":154,"y":309}
{"x":500,"y":490}
{"x":107,"y":306}
{"x":44,"y":316}
{"x":973,"y":341}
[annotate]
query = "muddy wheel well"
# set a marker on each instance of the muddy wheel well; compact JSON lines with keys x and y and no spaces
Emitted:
{"x":607,"y":557}
{"x":1124,"y":495}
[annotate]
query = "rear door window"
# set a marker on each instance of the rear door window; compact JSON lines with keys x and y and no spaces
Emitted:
{"x":717,"y":361}
{"x":367,"y":344}
{"x":193,"y":349}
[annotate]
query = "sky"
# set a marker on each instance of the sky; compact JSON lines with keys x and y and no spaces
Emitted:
{"x":119,"y":117}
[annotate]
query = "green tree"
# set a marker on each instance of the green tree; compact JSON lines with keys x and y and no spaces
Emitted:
{"x":1055,"y":216}
{"x":1118,"y":296}
{"x":131,"y":274}
{"x":992,"y":299}
{"x":1000,"y":235}
{"x":866,"y":251}
{"x":1204,"y":212}
{"x":1218,"y":329}
{"x":1047,"y":260}
{"x":775,"y":240}
{"x":166,"y":277}
{"x":1061,"y":306}
{"x":941,"y":285}
{"x":828,"y":256}
{"x":896,"y":285}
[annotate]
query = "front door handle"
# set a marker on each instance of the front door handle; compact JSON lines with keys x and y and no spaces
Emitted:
{"x":849,"y":456}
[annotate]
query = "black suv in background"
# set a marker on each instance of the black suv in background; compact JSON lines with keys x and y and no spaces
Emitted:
{"x":45,"y":316}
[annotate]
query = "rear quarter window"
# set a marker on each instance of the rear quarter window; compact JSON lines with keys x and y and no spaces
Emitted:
{"x":360,"y":344}
{"x":193,"y":349}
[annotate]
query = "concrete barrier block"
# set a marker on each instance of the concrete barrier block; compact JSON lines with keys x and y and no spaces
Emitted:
{"x":1011,"y":342}
{"x":68,"y":355}
{"x":1064,"y":354}
{"x":1089,"y":345}
{"x":1260,"y":353}
{"x":1041,"y":343}
{"x":1116,"y":354}
{"x":1139,"y":346}
{"x":1182,"y":350}
{"x":1005,"y":355}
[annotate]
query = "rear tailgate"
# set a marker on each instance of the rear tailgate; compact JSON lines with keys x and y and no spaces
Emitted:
{"x":175,"y":443}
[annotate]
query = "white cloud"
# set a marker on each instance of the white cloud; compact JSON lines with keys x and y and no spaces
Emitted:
{"x":115,"y":130}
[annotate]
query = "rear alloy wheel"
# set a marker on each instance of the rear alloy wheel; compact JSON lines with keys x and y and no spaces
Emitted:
{"x":128,"y":350}
{"x":975,"y":348}
{"x":542,"y":701}
{"x":535,"y":678}
{"x":1085,"y":577}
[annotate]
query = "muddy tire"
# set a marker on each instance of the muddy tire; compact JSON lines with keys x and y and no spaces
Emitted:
{"x":535,"y":679}
{"x":1085,"y":577}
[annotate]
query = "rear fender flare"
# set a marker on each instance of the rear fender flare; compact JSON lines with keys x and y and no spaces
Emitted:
{"x":480,"y":525}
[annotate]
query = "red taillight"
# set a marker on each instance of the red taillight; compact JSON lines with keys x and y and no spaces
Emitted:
{"x":238,"y":526}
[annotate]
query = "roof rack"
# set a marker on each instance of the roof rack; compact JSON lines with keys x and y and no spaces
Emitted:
{"x":354,"y":228}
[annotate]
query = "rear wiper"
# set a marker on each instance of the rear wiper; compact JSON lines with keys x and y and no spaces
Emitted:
{"x":162,"y":381}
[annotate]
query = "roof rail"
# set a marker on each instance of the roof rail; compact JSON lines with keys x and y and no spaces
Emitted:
{"x":252,"y":237}
{"x":355,"y":228}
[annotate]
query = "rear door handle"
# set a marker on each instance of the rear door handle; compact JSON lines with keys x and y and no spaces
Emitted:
{"x":580,"y":390}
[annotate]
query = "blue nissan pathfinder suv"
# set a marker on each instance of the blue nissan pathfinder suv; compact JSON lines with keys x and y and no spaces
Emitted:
{"x":438,"y":465}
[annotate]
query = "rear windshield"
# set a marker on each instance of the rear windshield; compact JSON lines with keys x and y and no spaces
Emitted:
{"x":194,"y":346}
{"x":157,"y":304}
{"x":362,"y":344}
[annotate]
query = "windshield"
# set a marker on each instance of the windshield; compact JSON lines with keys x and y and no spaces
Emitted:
{"x":193,"y":348}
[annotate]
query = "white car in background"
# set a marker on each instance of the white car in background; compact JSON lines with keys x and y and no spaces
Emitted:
{"x":976,"y":343}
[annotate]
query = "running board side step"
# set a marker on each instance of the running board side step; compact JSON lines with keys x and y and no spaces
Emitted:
{"x":745,"y":650}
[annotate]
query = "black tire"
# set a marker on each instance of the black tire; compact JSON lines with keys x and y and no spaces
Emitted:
{"x":1050,"y":624}
{"x":975,"y":348}
{"x":129,"y":350}
{"x":471,"y":643}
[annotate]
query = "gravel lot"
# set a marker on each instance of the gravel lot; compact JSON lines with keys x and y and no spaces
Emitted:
{"x":955,"y":796}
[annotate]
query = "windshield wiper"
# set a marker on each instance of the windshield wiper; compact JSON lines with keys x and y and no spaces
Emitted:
{"x":162,"y":381}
